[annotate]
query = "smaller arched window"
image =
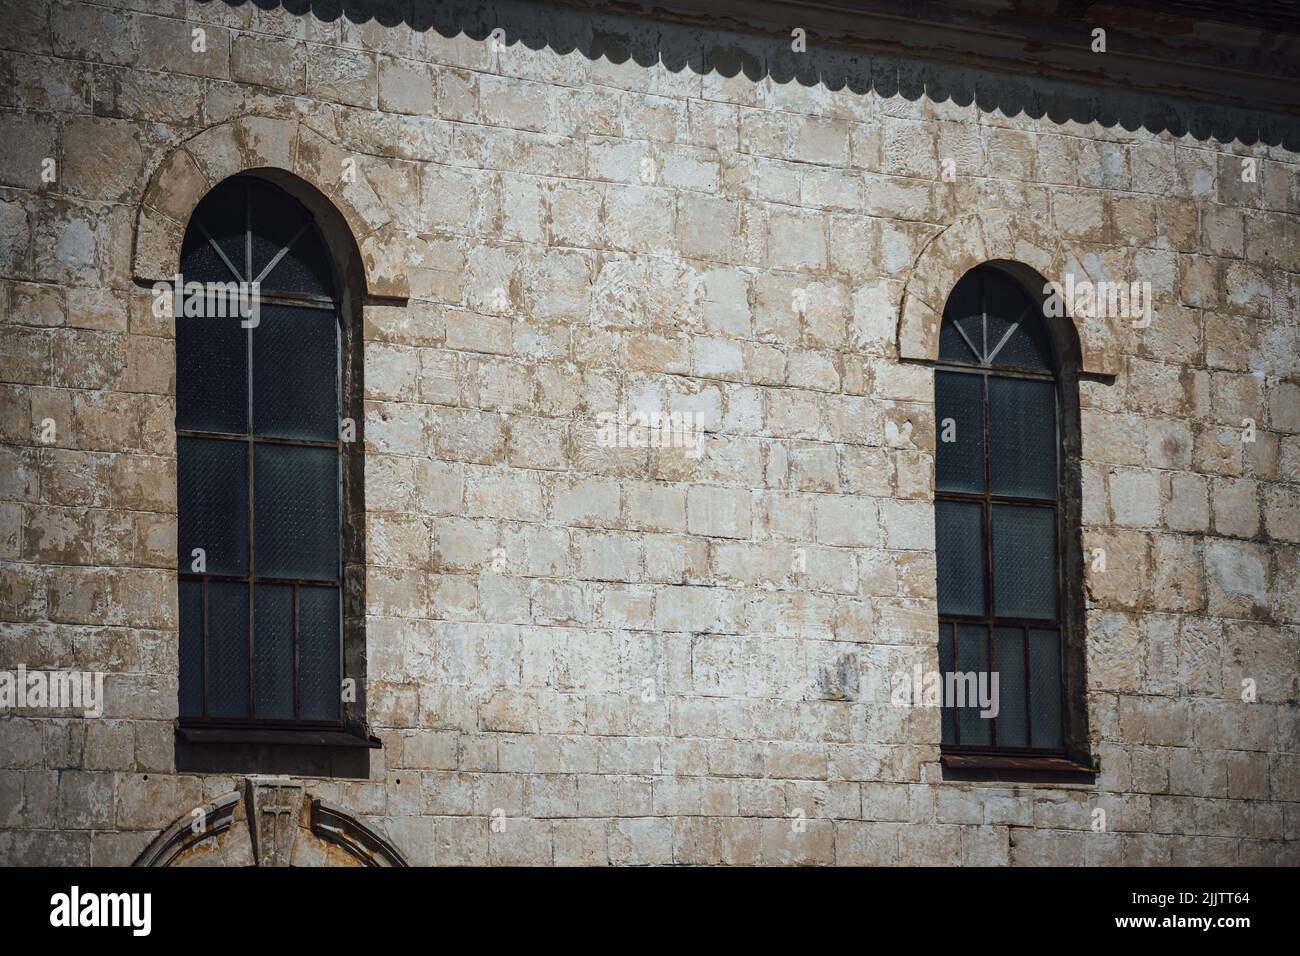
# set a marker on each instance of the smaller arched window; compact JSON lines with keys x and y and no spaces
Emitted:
{"x":998,"y":516}
{"x":258,"y":461}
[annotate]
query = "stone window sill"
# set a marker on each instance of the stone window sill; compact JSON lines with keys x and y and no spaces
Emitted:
{"x":988,"y":766}
{"x":290,"y":737}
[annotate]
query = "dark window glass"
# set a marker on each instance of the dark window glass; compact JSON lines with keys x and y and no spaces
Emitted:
{"x":295,"y":512}
{"x":212,"y":485}
{"x":319,"y":613}
{"x":258,"y":468}
{"x":1022,"y":437}
{"x":295,"y":374}
{"x":953,"y":345}
{"x":227,"y":649}
{"x":275,"y":222}
{"x":959,"y":543}
{"x":288,"y":254}
{"x":204,"y":260}
{"x":972,"y":671}
{"x":1010,"y":324}
{"x":989,"y":320}
{"x":1023,"y":347}
{"x":303,"y":268}
{"x":997,"y":480}
{"x":1009,"y":665}
{"x":959,"y":416}
{"x":964,"y":301}
{"x":211,"y":375}
{"x":191,"y":648}
{"x":947,"y":643}
{"x":1045,"y":686}
{"x":1024,"y":562}
{"x":273,"y":644}
{"x":214,"y":246}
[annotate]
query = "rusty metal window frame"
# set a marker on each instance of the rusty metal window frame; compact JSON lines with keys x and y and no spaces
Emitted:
{"x":986,"y":369}
{"x":251,"y":441}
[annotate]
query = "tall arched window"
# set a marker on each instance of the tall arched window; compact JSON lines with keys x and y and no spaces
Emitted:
{"x":1000,"y":518}
{"x":258,"y":407}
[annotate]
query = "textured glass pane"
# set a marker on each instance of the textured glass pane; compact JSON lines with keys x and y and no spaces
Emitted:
{"x":278,"y":221}
{"x":964,"y":299}
{"x":962,"y":308}
{"x":1008,"y":304}
{"x":1024,"y":347}
{"x":1045,"y":691}
{"x":200,"y":261}
{"x":1022,"y":438}
{"x":274,"y":217}
{"x":211,"y":375}
{"x":996,"y":328}
{"x":296,"y":512}
{"x":273,"y":651}
{"x":304,"y":268}
{"x":319,"y":654}
{"x":959,"y":553}
{"x":1004,"y":297}
{"x":959,"y":415}
{"x":295,"y":374}
{"x":227,"y":649}
{"x":221,"y":216}
{"x":952,"y":347}
{"x":972,"y":664}
{"x":212,"y":510}
{"x":1009,"y":664}
{"x":1024,"y":561}
{"x":190,"y":648}
{"x":948,"y":715}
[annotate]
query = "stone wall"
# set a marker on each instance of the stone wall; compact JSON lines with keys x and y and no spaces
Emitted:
{"x":644,"y":655}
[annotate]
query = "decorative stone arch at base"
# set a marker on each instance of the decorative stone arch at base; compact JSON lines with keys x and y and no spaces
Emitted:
{"x":274,"y":822}
{"x":993,"y":236}
{"x":272,"y":146}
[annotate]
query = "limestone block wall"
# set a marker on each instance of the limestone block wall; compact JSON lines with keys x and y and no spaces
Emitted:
{"x":640,"y":655}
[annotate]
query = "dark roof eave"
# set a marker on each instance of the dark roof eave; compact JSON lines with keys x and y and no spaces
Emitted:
{"x":1166,"y":52}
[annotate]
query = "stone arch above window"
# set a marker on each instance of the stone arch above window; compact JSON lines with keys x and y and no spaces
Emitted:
{"x":347,"y":207}
{"x":998,"y":236}
{"x":273,"y":822}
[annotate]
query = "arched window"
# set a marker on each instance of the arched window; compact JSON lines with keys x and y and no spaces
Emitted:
{"x":258,"y":462}
{"x":1001,"y":517}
